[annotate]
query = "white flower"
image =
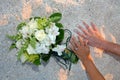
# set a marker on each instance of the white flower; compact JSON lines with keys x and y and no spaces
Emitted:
{"x":41,"y":48}
{"x":29,"y":29}
{"x":24,"y":31}
{"x":40,"y":35}
{"x":46,"y":41}
{"x":31,"y":50}
{"x":32,"y":26}
{"x":23,"y":58}
{"x":19,"y":43}
{"x":53,"y":30}
{"x":52,"y":38}
{"x":59,"y":49}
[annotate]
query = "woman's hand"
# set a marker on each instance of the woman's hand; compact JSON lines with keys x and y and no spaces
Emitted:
{"x":80,"y":48}
{"x":91,"y":34}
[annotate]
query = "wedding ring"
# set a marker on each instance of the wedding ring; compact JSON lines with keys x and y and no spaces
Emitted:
{"x":76,"y":49}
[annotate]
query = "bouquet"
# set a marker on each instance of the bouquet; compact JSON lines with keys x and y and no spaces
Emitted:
{"x":41,"y":38}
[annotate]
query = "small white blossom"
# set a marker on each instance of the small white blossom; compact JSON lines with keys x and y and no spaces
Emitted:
{"x":53,"y":30}
{"x":46,"y":41}
{"x":41,"y":48}
{"x":25,"y":31}
{"x":19,"y":43}
{"x":23,"y":58}
{"x":52,"y":38}
{"x":32,"y":26}
{"x":59,"y":49}
{"x":40,"y":35}
{"x":31,"y":50}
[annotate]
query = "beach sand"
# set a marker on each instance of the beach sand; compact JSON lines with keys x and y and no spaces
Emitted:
{"x":104,"y":13}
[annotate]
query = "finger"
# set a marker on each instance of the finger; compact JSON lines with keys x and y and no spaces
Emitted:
{"x":85,"y":24}
{"x":80,"y":34}
{"x":73,"y":42}
{"x":72,"y":48}
{"x":86,"y":43}
{"x":94,"y":27}
{"x":83,"y":30}
{"x":81,"y":41}
{"x":88,"y":27}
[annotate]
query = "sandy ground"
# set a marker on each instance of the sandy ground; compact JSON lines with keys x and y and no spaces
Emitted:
{"x":105,"y":13}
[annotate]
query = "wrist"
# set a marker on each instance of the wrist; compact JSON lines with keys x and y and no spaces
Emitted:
{"x":87,"y":59}
{"x":87,"y":63}
{"x":102,"y":44}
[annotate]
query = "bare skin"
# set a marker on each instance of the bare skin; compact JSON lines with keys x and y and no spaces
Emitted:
{"x":95,"y":39}
{"x":92,"y":37}
{"x":82,"y":50}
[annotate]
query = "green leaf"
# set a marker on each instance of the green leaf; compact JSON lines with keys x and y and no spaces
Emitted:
{"x":66,"y":55}
{"x":20,"y":52}
{"x":15,"y":37}
{"x":24,"y":57}
{"x":69,"y":55}
{"x":21,"y":25}
{"x":35,"y":18}
{"x":73,"y":58}
{"x":33,"y":42}
{"x":11,"y":37}
{"x":37,"y":62}
{"x":40,"y":23}
{"x":55,"y":17}
{"x":59,"y":25}
{"x":31,"y":18}
{"x":45,"y":57}
{"x":18,"y":36}
{"x":33,"y":58}
{"x":23,"y":49}
{"x":60,"y":37}
{"x":13,"y":45}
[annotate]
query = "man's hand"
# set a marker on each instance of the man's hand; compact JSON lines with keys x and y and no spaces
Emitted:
{"x":91,"y":34}
{"x":95,"y":39}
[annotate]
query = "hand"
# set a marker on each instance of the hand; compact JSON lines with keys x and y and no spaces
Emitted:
{"x":91,"y":34}
{"x":80,"y":48}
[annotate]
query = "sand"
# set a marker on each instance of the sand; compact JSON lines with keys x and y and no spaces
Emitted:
{"x":104,"y":13}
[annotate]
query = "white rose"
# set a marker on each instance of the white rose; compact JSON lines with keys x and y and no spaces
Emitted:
{"x":59,"y":49}
{"x":31,"y":50}
{"x":40,"y":35}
